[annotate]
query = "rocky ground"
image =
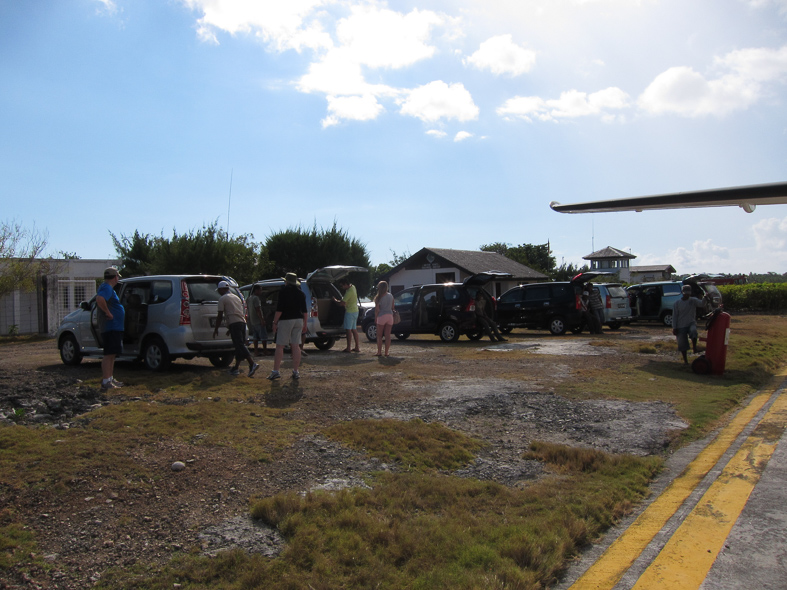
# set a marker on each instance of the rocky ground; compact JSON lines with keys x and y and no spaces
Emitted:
{"x":501,"y":394}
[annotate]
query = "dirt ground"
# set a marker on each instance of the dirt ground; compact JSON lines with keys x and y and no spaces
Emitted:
{"x":501,"y":393}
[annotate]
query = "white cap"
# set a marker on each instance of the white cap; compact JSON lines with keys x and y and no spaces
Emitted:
{"x":223,"y":285}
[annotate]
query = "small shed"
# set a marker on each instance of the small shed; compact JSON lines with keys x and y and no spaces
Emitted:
{"x":610,"y":258}
{"x":647,"y":274}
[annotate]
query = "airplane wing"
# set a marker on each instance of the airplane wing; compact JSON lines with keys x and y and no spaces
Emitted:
{"x":746,"y":197}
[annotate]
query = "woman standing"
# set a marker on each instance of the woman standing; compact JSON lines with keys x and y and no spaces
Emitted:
{"x":383,"y":316}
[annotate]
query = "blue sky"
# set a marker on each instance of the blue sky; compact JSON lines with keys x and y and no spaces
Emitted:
{"x":409,"y":124}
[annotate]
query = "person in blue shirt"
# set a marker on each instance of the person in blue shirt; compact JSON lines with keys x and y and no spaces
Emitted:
{"x":112,"y":326}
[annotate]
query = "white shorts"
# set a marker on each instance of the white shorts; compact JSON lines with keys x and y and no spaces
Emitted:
{"x":288,"y":332}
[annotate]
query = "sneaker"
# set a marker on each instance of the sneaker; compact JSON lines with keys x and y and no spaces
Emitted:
{"x":274,"y":375}
{"x":253,"y":369}
{"x":296,"y":375}
{"x":234,"y":372}
{"x":108,"y":385}
{"x":117,"y":383}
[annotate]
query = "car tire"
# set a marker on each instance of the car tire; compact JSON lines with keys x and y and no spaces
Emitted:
{"x":221,"y":360}
{"x":371,"y":332}
{"x":614,"y":325}
{"x":156,"y":355}
{"x":701,"y":365}
{"x":557,"y":326}
{"x":449,"y":332}
{"x":325,"y":343}
{"x":475,"y":335}
{"x":666,"y":318}
{"x":402,"y":336}
{"x":69,"y":350}
{"x":505,"y":329}
{"x":577,"y":329}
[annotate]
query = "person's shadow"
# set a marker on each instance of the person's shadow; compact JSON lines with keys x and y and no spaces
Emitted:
{"x":283,"y":394}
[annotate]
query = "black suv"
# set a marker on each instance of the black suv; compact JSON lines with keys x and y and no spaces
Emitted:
{"x":546,"y":306}
{"x":446,"y":309}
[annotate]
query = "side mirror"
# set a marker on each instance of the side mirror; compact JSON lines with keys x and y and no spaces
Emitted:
{"x":84,"y":305}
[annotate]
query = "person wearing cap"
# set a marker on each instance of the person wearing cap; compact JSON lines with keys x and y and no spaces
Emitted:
{"x":231,"y":306}
{"x":684,"y":321}
{"x":111,"y":319}
{"x":289,"y":323}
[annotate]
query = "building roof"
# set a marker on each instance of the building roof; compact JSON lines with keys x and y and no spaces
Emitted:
{"x":608,"y":252}
{"x":473,"y":262}
{"x":653,"y":268}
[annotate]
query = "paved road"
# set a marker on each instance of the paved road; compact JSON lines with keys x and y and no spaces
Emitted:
{"x":717,"y":519}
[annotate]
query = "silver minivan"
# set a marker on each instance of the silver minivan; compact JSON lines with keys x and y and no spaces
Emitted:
{"x":167,"y":317}
{"x":617,"y":310}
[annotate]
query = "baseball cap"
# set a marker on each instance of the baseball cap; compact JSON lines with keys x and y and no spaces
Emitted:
{"x":111,"y":272}
{"x":223,"y":285}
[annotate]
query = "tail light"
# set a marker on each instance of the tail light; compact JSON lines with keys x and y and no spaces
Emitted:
{"x":470,"y":305}
{"x":609,"y":302}
{"x":315,"y":311}
{"x":185,"y":311}
{"x":577,"y":301}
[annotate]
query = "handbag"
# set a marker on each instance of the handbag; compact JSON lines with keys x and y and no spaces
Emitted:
{"x":397,"y":317}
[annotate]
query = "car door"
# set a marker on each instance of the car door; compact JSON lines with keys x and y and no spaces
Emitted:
{"x":428,"y":308}
{"x":509,"y":307}
{"x":203,"y":302}
{"x":535,"y":311}
{"x":403,"y":303}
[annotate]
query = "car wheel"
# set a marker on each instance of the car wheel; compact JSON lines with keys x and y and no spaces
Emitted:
{"x":701,"y":365}
{"x":325,"y":343}
{"x":69,"y":350}
{"x":666,"y":319}
{"x":371,"y":332}
{"x":614,"y":325}
{"x":156,"y":355}
{"x":577,"y":329}
{"x":475,"y":335}
{"x":402,"y":336}
{"x":221,"y":360}
{"x":557,"y":326}
{"x":449,"y":332}
{"x":505,"y":329}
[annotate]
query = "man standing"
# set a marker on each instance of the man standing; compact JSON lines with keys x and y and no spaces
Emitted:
{"x":350,"y":304}
{"x":231,"y":306}
{"x":112,"y":317}
{"x":488,"y":325}
{"x":289,"y":323}
{"x":684,"y":321}
{"x":257,"y":320}
{"x":596,"y":305}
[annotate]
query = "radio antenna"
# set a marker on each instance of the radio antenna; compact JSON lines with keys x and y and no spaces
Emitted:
{"x":229,"y":204}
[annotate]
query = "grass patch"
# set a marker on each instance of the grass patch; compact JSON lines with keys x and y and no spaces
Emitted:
{"x":426,"y":530}
{"x":414,"y":445}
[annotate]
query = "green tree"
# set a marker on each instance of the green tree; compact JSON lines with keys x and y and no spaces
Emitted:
{"x":302,"y":251}
{"x":20,"y":262}
{"x":209,"y":250}
{"x":536,"y":256}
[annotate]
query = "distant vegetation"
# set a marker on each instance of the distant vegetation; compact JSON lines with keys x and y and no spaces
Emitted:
{"x":761,"y":297}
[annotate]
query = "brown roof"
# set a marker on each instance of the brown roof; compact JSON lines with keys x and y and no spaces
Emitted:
{"x":608,"y":252}
{"x":653,"y":268}
{"x":474,"y":261}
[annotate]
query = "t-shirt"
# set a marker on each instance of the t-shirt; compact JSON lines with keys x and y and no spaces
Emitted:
{"x":385,"y":305}
{"x":684,"y":312}
{"x":232,"y":306}
{"x":291,"y":303}
{"x":254,"y":304}
{"x":117,"y":323}
{"x":351,"y":299}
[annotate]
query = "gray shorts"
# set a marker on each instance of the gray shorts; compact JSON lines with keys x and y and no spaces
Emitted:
{"x":258,"y":333}
{"x":288,"y":332}
{"x":684,"y":334}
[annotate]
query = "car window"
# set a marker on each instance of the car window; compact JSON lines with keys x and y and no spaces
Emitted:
{"x":160,"y":291}
{"x":711,"y":289}
{"x":512,"y":296}
{"x":451,"y":294}
{"x":671,"y":289}
{"x":404,"y":297}
{"x":537,"y":293}
{"x":563,"y":292}
{"x":135,"y":294}
{"x":616,"y":291}
{"x":202,"y":290}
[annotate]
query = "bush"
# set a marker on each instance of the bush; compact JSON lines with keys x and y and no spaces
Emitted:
{"x":766,"y":297}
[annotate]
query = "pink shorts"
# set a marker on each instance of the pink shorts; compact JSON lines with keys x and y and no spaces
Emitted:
{"x":386,"y":319}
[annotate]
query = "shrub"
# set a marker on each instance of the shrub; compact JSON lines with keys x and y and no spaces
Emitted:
{"x":764,"y":297}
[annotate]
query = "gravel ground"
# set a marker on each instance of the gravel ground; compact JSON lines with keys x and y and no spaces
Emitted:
{"x":502,"y":394}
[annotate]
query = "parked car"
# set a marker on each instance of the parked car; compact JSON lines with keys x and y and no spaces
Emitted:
{"x":167,"y":317}
{"x":617,"y":310}
{"x":544,"y":306}
{"x":654,"y":301}
{"x":445,"y":309}
{"x":326,"y":318}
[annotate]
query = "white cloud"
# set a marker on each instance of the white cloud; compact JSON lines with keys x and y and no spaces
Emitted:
{"x":500,"y":55}
{"x":462,"y":135}
{"x":436,"y":133}
{"x":282,"y":24}
{"x":683,"y":91}
{"x":337,"y":73}
{"x":571,"y":104}
{"x":704,"y":256}
{"x":437,"y":100}
{"x":108,"y":6}
{"x":384,"y":38}
{"x":770,"y":235}
{"x":353,"y":108}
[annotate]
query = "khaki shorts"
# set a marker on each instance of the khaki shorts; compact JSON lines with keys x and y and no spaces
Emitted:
{"x":288,"y":332}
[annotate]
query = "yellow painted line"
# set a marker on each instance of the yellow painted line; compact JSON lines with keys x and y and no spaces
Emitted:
{"x":617,"y":559}
{"x":688,"y":556}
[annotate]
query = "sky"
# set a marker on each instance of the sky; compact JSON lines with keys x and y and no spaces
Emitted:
{"x":408,"y":124}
